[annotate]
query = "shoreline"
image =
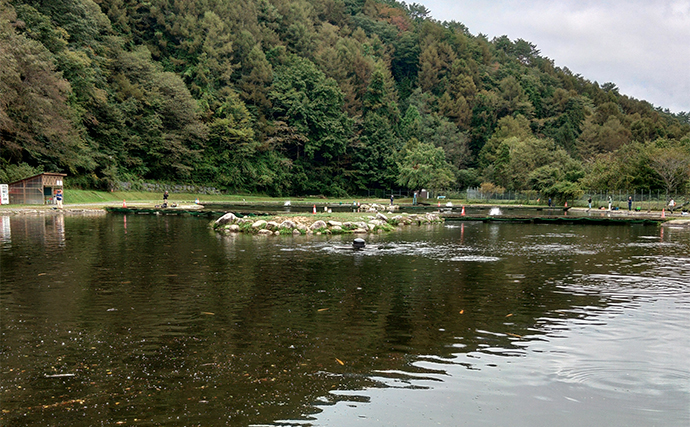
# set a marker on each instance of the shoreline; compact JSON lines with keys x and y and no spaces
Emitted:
{"x":96,"y":209}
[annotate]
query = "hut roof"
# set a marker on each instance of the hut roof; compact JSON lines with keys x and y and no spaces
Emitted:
{"x":40,"y":174}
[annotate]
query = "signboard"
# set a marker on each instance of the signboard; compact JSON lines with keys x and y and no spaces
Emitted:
{"x":4,"y":194}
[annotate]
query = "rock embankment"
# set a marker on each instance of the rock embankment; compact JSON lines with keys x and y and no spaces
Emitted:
{"x":230,"y":223}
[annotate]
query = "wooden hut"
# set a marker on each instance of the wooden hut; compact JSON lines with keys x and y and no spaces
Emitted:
{"x":36,"y":190}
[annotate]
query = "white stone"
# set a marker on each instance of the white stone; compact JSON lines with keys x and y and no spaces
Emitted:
{"x":318,"y":224}
{"x":226,"y":219}
{"x":287,"y":224}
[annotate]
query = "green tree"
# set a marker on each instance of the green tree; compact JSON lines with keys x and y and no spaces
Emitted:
{"x":671,"y":161}
{"x":425,"y":166}
{"x":37,"y":124}
{"x":313,"y":104}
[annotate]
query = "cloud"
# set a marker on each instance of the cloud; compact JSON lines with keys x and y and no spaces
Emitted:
{"x":641,"y":46}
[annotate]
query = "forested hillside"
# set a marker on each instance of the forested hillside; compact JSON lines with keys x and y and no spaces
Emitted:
{"x":300,"y":97}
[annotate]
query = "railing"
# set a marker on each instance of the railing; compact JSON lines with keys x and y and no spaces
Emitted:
{"x":645,"y":199}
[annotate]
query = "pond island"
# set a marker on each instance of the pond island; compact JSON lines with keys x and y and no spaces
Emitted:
{"x":369,"y":219}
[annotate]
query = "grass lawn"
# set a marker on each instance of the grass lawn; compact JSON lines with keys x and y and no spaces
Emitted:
{"x":116,"y":197}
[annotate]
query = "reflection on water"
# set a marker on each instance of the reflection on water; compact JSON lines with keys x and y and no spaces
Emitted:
{"x":159,"y":321}
{"x":5,"y":229}
{"x":46,"y":231}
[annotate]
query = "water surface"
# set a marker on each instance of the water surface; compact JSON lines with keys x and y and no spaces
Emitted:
{"x":156,"y":320}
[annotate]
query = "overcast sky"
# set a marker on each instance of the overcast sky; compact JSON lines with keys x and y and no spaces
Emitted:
{"x":641,"y":46}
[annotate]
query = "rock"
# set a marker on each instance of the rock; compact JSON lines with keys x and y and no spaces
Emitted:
{"x":361,"y":224}
{"x":371,"y":226}
{"x":336,"y":228}
{"x":277,"y":233}
{"x":288,"y":224}
{"x":234,"y":228}
{"x":376,"y":222}
{"x":228,"y":218}
{"x":263,"y":231}
{"x":335,"y":223}
{"x":296,"y":232}
{"x":360,"y":231}
{"x":272,"y":225}
{"x":381,"y":217}
{"x":259,"y":224}
{"x":318,"y":224}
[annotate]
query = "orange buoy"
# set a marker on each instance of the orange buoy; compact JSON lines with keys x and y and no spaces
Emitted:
{"x":663,"y":212}
{"x":463,"y":211}
{"x":314,"y":210}
{"x":124,"y":203}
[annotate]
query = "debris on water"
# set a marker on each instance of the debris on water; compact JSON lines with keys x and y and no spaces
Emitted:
{"x":59,"y":375}
{"x":340,"y":361}
{"x":112,"y":309}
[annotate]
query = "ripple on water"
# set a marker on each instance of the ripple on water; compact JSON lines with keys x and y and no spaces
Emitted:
{"x":652,"y":244}
{"x":444,"y":252}
{"x":559,"y":248}
{"x":475,"y":258}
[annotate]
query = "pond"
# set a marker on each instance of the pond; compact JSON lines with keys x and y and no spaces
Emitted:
{"x":156,"y":320}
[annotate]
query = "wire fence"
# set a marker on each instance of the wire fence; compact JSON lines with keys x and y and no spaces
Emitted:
{"x":641,"y":199}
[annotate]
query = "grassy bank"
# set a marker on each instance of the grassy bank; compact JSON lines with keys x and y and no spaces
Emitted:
{"x":145,"y":197}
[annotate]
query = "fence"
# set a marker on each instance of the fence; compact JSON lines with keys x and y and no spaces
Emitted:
{"x":644,"y":199}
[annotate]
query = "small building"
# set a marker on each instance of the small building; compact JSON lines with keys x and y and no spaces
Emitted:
{"x":36,"y":190}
